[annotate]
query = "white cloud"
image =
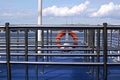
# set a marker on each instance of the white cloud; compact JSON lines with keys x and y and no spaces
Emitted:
{"x":65,"y":11}
{"x":17,"y":13}
{"x":7,"y":15}
{"x":107,"y":10}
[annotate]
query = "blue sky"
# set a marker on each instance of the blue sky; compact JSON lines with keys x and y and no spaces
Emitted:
{"x":61,"y":11}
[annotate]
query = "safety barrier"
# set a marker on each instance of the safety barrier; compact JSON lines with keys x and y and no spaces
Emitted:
{"x":93,"y":47}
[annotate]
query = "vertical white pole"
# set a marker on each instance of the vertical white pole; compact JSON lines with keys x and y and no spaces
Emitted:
{"x":39,"y":19}
{"x":39,"y":12}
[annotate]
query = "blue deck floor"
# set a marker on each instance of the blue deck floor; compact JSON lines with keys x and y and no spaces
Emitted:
{"x":53,"y":72}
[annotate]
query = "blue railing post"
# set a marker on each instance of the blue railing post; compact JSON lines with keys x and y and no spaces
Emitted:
{"x":105,"y":50}
{"x":98,"y":54}
{"x":8,"y":51}
{"x":26,"y":52}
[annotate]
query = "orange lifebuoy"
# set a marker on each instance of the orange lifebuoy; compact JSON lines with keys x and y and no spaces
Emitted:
{"x":62,"y":33}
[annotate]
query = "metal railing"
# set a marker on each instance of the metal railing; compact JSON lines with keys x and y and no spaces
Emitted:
{"x":90,"y":48}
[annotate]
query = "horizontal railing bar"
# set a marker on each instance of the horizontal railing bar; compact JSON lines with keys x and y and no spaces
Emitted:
{"x":45,"y":45}
{"x":113,"y":64}
{"x":29,"y":38}
{"x":67,"y":63}
{"x":113,"y":27}
{"x":50,"y":49}
{"x":58,"y":49}
{"x":3,"y":62}
{"x":49,"y":41}
{"x":66,"y":26}
{"x":62,"y":63}
{"x":39,"y":42}
{"x":32,"y":41}
{"x":62,"y":26}
{"x":13,"y":42}
{"x":58,"y":54}
{"x":16,"y":37}
{"x":57,"y":26}
{"x":59,"y":63}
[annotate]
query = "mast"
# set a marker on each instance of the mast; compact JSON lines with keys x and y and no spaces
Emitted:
{"x":39,"y":20}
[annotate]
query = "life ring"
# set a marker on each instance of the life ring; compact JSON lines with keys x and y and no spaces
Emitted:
{"x":62,"y":33}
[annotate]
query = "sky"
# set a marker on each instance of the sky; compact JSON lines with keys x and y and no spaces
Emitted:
{"x":60,"y":11}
